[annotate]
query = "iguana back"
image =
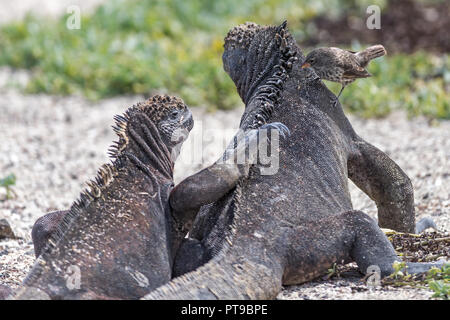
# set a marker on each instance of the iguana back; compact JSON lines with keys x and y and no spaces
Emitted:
{"x":115,"y":241}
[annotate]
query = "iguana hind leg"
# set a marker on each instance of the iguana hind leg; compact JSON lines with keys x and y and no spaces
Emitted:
{"x":371,"y":247}
{"x":350,"y":236}
{"x":225,"y":277}
{"x":385,"y":183}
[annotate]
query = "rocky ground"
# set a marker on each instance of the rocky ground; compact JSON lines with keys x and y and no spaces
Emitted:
{"x":54,"y":144}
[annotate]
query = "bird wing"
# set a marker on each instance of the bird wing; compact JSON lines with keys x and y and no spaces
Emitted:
{"x":355,"y":72}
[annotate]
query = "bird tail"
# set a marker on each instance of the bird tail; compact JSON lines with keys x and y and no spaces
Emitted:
{"x":370,"y":53}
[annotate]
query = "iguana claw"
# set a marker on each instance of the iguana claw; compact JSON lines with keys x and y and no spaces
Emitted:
{"x":282,"y":129}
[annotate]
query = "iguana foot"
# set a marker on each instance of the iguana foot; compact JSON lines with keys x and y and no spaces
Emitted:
{"x":372,"y":248}
{"x":425,"y":223}
{"x":281,"y":128}
{"x":244,"y":147}
{"x":421,"y":267}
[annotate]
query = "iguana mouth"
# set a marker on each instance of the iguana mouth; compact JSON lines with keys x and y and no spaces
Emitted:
{"x":181,"y":134}
{"x":188,"y":121}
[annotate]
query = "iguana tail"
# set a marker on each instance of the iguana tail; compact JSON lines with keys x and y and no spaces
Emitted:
{"x":230,"y":274}
{"x":29,"y":293}
{"x":223,"y":278}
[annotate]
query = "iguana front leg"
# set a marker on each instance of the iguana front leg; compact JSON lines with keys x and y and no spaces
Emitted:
{"x":208,"y":186}
{"x":213,"y":182}
{"x":385,"y":183}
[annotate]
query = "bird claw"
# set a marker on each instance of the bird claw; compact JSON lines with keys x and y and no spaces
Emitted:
{"x":335,"y":102}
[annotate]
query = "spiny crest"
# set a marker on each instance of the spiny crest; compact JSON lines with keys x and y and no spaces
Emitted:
{"x":267,"y":70}
{"x":156,"y":108}
{"x":242,"y":35}
{"x":159,"y":106}
{"x":104,"y":176}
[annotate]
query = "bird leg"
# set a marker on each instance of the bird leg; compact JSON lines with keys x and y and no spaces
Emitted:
{"x":337,"y":98}
{"x":342,"y":89}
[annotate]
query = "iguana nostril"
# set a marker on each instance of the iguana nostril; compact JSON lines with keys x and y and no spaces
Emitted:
{"x":188,"y":123}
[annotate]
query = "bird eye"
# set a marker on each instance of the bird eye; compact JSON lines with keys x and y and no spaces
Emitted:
{"x":311,"y":60}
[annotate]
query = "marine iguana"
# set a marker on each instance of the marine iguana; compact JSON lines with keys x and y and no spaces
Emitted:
{"x":248,"y":245}
{"x":121,"y":235}
{"x":114,"y":242}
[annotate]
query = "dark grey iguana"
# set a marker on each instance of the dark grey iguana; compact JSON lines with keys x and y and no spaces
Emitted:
{"x":114,"y":242}
{"x":119,"y":239}
{"x":290,"y":227}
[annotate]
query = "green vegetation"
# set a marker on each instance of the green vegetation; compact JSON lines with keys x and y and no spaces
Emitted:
{"x":417,"y":83}
{"x":7,"y":182}
{"x":175,"y":46}
{"x":437,"y":280}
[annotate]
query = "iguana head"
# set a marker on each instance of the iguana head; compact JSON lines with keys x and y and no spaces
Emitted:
{"x":258,"y":59}
{"x":171,"y":116}
{"x":162,"y":122}
{"x":152,"y":132}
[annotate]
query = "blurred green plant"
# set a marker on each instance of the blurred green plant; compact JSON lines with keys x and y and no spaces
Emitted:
{"x":439,"y":281}
{"x":7,"y":182}
{"x":175,"y":46}
{"x":436,"y":279}
{"x":138,"y":47}
{"x":417,"y":83}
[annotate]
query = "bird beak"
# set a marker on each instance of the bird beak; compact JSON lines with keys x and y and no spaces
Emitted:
{"x":305,"y":65}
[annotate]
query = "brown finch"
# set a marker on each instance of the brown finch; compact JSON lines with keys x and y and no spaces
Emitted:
{"x":343,"y":66}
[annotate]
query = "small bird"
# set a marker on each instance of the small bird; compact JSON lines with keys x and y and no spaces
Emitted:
{"x":343,"y":66}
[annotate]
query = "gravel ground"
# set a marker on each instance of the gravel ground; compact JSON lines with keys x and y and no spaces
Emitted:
{"x":54,"y":144}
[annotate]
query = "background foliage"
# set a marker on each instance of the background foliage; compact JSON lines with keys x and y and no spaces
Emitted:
{"x":175,"y":46}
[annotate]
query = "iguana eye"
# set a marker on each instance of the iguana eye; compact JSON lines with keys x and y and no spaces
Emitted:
{"x":174,"y":114}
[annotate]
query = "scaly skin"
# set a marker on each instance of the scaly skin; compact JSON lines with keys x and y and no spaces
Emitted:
{"x":115,"y":241}
{"x":248,"y":245}
{"x":124,"y":232}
